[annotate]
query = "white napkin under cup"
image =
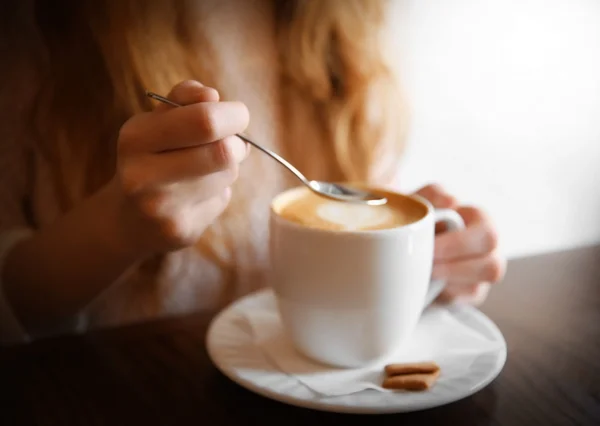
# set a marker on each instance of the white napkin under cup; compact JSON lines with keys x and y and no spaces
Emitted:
{"x":439,"y":337}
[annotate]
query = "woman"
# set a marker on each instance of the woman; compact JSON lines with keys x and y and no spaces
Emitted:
{"x":113,"y":210}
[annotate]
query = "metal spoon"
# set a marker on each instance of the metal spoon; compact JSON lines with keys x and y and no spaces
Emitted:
{"x":329,"y":190}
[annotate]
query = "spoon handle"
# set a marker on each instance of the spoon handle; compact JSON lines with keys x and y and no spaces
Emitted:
{"x":276,"y":157}
{"x":270,"y":153}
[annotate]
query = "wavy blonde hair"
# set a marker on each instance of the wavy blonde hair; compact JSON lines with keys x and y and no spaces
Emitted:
{"x":99,"y":56}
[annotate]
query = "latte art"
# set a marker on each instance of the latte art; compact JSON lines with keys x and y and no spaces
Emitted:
{"x":354,"y":216}
{"x":314,"y":211}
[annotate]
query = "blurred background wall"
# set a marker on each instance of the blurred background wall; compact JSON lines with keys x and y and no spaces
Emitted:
{"x":505,"y":97}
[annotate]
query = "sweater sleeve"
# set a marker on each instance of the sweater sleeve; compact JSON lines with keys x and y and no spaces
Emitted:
{"x":15,"y":172}
{"x":11,"y":330}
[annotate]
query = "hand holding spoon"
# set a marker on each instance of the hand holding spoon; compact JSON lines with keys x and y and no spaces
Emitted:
{"x":329,"y":190}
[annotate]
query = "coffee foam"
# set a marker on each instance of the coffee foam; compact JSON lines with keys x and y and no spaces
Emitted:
{"x":303,"y":207}
{"x":354,"y":216}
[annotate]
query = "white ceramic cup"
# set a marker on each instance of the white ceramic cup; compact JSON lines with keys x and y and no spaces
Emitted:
{"x":350,"y":298}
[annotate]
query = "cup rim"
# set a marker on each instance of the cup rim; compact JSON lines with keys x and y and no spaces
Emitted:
{"x":358,"y":232}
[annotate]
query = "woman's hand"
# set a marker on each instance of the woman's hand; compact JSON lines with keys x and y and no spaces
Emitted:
{"x":175,"y":168}
{"x":466,"y":259}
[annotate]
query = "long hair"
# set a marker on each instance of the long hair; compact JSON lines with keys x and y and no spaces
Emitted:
{"x":97,"y":57}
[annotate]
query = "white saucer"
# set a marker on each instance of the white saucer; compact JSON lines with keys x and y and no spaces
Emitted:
{"x":232,"y":349}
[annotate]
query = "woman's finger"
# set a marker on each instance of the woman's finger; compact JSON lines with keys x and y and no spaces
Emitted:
{"x":474,"y":294}
{"x":478,"y":238}
{"x":151,"y":170}
{"x":194,"y":191}
{"x":437,"y":196}
{"x":188,"y":222}
{"x":208,"y":211}
{"x":185,"y":127}
{"x":439,"y":199}
{"x":489,"y":268}
{"x":189,"y":92}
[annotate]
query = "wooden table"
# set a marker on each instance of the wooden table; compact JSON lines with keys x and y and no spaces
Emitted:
{"x":159,"y":374}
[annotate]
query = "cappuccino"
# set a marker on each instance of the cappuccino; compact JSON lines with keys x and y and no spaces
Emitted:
{"x":311,"y":210}
{"x":348,"y":298}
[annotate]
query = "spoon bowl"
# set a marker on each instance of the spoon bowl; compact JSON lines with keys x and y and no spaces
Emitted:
{"x":339,"y":192}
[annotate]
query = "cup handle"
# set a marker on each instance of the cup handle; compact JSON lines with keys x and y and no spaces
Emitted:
{"x":453,"y":222}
